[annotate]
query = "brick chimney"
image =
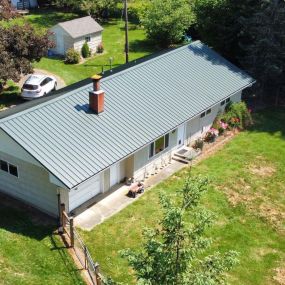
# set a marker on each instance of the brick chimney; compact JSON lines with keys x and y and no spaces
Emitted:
{"x":96,"y":97}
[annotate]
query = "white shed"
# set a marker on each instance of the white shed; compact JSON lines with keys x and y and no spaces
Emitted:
{"x":24,"y":4}
{"x":74,"y":33}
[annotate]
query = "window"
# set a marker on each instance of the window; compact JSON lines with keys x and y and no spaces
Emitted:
{"x":203,"y":115}
{"x":151,"y":150}
{"x":9,"y":168}
{"x":44,"y":82}
{"x":167,"y":141}
{"x":159,"y":145}
{"x":88,"y":39}
{"x":223,"y":103}
{"x":228,"y":100}
{"x":208,"y":111}
{"x":13,"y":170}
{"x":4,"y":165}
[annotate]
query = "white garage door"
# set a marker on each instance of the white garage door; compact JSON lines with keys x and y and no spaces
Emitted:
{"x":85,"y":192}
{"x":114,"y":174}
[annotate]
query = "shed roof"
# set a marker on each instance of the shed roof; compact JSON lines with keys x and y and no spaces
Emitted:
{"x":141,"y":104}
{"x":81,"y":27}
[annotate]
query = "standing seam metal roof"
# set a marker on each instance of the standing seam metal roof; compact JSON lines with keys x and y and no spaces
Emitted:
{"x":141,"y":104}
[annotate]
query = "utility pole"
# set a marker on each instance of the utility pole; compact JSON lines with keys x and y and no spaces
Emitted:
{"x":126,"y":31}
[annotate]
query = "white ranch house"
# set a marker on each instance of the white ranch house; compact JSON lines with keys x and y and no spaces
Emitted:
{"x":88,"y":138}
{"x":74,"y":33}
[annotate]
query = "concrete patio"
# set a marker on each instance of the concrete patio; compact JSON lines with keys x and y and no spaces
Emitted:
{"x":108,"y":204}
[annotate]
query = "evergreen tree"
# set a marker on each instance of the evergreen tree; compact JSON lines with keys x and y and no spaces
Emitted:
{"x":264,"y":46}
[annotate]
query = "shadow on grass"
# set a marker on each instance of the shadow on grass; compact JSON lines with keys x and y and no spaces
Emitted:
{"x":46,"y":18}
{"x":65,"y":258}
{"x":143,"y":46}
{"x":271,"y":120}
{"x":24,"y":220}
{"x":10,"y":95}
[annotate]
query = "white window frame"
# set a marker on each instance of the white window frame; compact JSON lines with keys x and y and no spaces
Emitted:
{"x":153,"y":154}
{"x":88,"y":39}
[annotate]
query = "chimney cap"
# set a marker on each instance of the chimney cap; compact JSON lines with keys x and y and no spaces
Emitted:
{"x":96,"y":77}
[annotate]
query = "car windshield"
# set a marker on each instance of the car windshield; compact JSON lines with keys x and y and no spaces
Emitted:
{"x":30,"y":87}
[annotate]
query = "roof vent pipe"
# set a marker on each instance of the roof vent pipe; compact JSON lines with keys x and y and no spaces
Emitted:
{"x":96,"y":97}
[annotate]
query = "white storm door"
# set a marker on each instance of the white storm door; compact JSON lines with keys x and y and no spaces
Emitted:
{"x":180,"y":135}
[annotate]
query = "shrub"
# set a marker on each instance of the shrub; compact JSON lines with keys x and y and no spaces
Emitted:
{"x":238,"y":115}
{"x":100,"y":48}
{"x":211,"y":135}
{"x":199,"y":144}
{"x":72,"y":56}
{"x":85,"y":50}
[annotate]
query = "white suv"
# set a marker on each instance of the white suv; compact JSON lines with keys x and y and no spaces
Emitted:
{"x":37,"y":86}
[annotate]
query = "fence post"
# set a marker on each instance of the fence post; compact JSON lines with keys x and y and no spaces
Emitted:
{"x":85,"y":256}
{"x":59,"y":212}
{"x":97,"y":274}
{"x":71,"y":232}
{"x":63,"y":220}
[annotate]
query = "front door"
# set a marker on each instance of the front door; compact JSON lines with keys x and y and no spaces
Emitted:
{"x":180,"y":136}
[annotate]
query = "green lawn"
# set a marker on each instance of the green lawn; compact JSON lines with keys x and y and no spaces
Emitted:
{"x":30,"y":254}
{"x":247,"y":197}
{"x":113,"y":41}
{"x":10,"y":95}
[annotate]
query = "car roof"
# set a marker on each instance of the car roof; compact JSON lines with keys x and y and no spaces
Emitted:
{"x":35,"y":79}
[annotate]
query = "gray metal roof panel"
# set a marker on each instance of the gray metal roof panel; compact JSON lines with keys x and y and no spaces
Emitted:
{"x":141,"y":104}
{"x":81,"y":27}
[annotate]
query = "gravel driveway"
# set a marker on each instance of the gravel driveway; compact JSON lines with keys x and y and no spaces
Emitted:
{"x":60,"y":81}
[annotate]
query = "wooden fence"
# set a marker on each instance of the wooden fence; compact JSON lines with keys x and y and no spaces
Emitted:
{"x":75,"y":242}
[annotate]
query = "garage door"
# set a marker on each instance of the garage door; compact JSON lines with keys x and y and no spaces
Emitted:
{"x":85,"y":192}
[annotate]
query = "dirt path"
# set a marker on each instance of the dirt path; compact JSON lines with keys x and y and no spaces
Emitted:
{"x":60,"y":81}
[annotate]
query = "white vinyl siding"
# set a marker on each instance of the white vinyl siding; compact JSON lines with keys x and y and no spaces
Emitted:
{"x":95,"y":40}
{"x":85,"y":191}
{"x":32,"y":185}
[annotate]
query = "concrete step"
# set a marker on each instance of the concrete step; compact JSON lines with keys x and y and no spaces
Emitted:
{"x":179,"y":159}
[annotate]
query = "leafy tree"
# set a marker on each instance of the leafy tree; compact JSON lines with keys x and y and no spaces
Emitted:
{"x":98,"y":8}
{"x":174,"y":251}
{"x":6,"y":10}
{"x":19,"y":47}
{"x":166,"y":21}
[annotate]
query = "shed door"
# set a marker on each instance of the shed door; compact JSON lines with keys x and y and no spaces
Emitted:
{"x":114,"y":174}
{"x":85,"y":192}
{"x":60,"y":44}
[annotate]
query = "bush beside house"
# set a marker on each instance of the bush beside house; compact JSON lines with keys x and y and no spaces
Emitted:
{"x":72,"y":56}
{"x":85,"y":50}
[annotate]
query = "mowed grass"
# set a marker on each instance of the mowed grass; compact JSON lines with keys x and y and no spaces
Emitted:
{"x":30,"y":254}
{"x":113,"y":42}
{"x":10,"y":95}
{"x":247,"y":197}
